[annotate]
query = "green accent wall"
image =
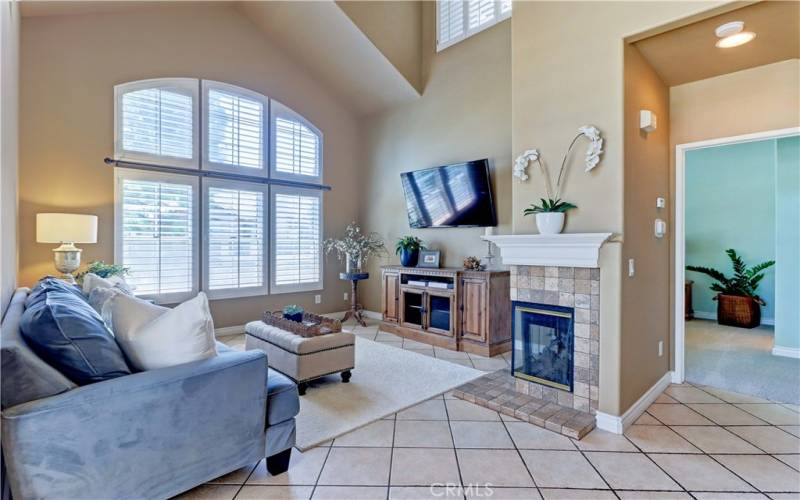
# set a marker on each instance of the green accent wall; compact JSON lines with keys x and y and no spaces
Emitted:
{"x":787,"y":246}
{"x":730,"y":203}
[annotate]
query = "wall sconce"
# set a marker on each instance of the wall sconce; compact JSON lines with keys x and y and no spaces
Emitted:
{"x":647,"y":120}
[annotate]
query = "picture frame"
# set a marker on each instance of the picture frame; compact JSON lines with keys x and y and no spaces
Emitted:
{"x":429,"y":258}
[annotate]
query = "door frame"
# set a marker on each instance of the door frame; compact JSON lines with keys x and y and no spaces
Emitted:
{"x":679,"y":280}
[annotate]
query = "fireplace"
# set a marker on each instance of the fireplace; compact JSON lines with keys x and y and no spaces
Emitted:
{"x":543,"y":344}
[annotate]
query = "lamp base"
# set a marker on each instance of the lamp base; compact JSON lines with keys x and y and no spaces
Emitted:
{"x":67,"y":259}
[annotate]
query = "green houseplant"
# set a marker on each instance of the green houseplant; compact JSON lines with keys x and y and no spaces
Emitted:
{"x":103,"y":270}
{"x":408,"y":248}
{"x":550,"y":214}
{"x":738,"y":304}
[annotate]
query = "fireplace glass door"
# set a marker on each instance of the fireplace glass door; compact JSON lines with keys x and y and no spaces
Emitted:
{"x":543,"y":344}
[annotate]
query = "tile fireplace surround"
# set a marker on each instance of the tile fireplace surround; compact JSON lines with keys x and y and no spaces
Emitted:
{"x":578,"y":288}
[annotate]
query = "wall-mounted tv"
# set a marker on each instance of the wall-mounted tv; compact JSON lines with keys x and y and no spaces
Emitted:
{"x":458,"y":195}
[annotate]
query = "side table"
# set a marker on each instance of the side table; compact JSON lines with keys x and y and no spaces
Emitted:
{"x":355,"y":307}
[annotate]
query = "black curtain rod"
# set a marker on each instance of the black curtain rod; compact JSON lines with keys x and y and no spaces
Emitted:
{"x":213,"y":175}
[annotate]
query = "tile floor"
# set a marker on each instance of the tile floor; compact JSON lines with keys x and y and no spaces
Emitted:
{"x":694,"y":442}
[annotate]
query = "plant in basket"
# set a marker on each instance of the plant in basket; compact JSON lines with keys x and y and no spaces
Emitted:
{"x":738,"y":304}
{"x":293,"y":312}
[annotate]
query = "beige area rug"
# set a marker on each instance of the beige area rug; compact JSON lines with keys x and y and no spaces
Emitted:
{"x":386,"y":380}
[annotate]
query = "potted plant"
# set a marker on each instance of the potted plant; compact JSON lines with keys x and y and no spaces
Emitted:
{"x":103,"y":270}
{"x":355,"y":248}
{"x":550,"y":215}
{"x":408,"y":248}
{"x":738,"y":304}
{"x":293,"y":312}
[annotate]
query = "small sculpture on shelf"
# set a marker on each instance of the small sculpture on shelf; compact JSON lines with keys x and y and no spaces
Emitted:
{"x":472,"y":263}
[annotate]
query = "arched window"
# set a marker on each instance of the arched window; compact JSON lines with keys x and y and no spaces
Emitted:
{"x":230,"y":231}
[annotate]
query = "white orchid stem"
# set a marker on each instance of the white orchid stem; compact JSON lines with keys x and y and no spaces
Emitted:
{"x":546,"y":176}
{"x":564,"y":164}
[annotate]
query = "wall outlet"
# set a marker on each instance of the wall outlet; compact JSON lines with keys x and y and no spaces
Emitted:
{"x":346,"y":295}
{"x":661,"y":202}
{"x":631,"y":268}
{"x":318,"y":299}
{"x":660,"y":348}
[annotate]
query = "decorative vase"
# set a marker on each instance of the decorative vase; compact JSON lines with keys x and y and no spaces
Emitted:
{"x":298,"y":317}
{"x":550,"y":222}
{"x":353,"y":264}
{"x":408,"y":257}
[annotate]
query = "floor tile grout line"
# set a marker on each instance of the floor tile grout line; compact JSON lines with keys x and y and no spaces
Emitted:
{"x":391,"y":457}
{"x":241,"y":486}
{"x":322,"y":469}
{"x":455,"y":450}
{"x":519,"y":453}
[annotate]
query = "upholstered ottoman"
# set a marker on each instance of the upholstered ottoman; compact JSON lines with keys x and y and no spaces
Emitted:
{"x":303,"y":358}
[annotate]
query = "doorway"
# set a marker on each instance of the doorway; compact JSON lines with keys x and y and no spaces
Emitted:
{"x":763,"y":361}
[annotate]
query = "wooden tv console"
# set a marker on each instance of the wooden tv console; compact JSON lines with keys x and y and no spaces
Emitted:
{"x":450,"y":307}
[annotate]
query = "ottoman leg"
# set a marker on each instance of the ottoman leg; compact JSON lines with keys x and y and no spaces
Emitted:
{"x":278,"y":464}
{"x":346,"y":376}
{"x":301,"y":388}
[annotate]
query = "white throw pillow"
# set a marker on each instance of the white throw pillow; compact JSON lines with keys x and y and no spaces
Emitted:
{"x":100,"y":300}
{"x":154,"y":337}
{"x":92,"y":281}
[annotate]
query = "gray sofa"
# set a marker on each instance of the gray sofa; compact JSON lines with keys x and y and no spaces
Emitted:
{"x":152,"y":434}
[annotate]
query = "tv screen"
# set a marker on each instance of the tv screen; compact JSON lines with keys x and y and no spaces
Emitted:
{"x":450,"y":196}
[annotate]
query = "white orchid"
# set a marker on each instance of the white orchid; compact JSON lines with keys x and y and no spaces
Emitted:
{"x":595,"y":146}
{"x":521,"y":164}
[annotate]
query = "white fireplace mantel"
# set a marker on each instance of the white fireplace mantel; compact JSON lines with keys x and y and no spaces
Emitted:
{"x":566,"y":250}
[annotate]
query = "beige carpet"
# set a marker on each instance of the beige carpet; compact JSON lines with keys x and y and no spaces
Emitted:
{"x":386,"y":380}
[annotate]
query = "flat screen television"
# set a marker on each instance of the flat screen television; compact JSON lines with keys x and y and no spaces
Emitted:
{"x":458,"y":195}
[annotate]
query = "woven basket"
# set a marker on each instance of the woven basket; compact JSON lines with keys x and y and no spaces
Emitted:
{"x":312,"y":325}
{"x":742,"y":312}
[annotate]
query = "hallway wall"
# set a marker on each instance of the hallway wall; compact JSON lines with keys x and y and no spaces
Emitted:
{"x":787,"y":248}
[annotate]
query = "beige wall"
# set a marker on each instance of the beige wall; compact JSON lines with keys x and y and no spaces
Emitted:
{"x":70,"y":65}
{"x":753,"y":100}
{"x":463,"y":114}
{"x":395,"y":27}
{"x":567,"y":71}
{"x":645,"y":296}
{"x":9,"y":99}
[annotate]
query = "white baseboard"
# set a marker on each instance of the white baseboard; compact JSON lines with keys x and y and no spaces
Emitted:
{"x":713,"y":316}
{"x":789,"y":352}
{"x":229,"y":330}
{"x":617,"y":425}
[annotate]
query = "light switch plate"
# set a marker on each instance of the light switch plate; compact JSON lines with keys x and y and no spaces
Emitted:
{"x":631,"y":268}
{"x":318,"y":299}
{"x":661,"y":202}
{"x":660,"y":228}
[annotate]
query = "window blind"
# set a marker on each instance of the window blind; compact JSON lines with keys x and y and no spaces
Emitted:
{"x":158,"y":236}
{"x":296,"y":240}
{"x":235,"y":127}
{"x":457,"y":20}
{"x":156,"y":121}
{"x":235,"y":235}
{"x":297,"y":146}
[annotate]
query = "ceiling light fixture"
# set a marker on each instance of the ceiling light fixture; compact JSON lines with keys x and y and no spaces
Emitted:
{"x":732,"y":35}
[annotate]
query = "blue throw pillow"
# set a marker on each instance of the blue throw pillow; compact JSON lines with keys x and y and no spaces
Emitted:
{"x":63,"y":329}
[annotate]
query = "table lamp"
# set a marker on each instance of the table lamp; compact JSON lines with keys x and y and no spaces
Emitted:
{"x":66,"y":229}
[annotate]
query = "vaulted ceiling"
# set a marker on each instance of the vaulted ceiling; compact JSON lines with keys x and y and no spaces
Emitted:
{"x":368,"y":73}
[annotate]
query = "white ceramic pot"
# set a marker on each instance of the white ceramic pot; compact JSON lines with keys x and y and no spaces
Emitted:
{"x":550,"y":222}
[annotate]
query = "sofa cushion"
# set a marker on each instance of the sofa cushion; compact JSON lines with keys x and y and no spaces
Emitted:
{"x":63,"y":330}
{"x":283,"y":401}
{"x":155,"y":337}
{"x":25,"y":376}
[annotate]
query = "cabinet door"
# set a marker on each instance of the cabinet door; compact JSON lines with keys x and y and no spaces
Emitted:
{"x":412,"y":308}
{"x":473,"y":309}
{"x":391,"y":297}
{"x":439,"y":312}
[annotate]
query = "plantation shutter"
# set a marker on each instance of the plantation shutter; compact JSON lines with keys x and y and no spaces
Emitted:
{"x":156,"y":122}
{"x":297,"y":151}
{"x":458,"y":20}
{"x":156,"y":215}
{"x":296,"y":239}
{"x":235,"y":129}
{"x":235,"y":223}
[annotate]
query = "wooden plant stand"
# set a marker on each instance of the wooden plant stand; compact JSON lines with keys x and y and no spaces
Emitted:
{"x":355,"y":307}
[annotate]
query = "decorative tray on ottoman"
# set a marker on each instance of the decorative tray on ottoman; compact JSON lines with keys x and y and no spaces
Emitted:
{"x":311,"y":326}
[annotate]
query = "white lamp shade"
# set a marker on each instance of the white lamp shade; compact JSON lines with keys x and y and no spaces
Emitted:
{"x":66,"y":228}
